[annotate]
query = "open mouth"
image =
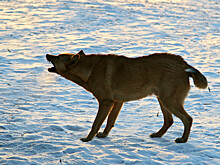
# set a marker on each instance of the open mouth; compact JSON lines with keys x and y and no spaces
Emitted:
{"x":49,"y":59}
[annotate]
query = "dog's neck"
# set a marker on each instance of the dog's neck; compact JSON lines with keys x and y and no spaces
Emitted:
{"x":84,"y":71}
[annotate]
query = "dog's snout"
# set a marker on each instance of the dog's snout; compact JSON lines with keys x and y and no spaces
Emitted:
{"x":48,"y":56}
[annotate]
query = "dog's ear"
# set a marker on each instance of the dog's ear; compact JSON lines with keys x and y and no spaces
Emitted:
{"x":74,"y":59}
{"x":81,"y":53}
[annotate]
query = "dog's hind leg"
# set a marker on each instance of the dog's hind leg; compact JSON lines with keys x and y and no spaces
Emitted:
{"x":176,"y":108}
{"x":104,"y":109}
{"x":168,"y":121}
{"x":111,"y":120}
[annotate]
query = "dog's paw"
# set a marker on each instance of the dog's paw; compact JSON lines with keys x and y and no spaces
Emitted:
{"x":101,"y":135}
{"x":180,"y":140}
{"x":84,"y":139}
{"x":155,"y":135}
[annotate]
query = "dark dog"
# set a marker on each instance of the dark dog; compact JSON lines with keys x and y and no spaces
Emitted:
{"x":114,"y":80}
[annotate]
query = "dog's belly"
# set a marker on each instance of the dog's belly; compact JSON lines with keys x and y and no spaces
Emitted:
{"x":130,"y":95}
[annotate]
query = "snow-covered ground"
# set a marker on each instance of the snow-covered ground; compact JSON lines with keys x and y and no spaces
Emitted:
{"x":42,"y":116}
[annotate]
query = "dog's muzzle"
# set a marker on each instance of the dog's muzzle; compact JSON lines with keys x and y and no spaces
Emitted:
{"x":50,"y":59}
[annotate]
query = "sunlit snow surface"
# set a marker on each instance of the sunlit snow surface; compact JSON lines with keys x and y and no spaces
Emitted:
{"x":42,"y":116}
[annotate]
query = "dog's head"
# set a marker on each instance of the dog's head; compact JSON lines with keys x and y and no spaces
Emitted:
{"x":62,"y":62}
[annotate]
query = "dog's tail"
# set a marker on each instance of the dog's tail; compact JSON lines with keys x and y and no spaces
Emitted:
{"x":198,"y":78}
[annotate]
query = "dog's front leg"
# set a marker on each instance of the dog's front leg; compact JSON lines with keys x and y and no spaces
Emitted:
{"x":104,"y":108}
{"x":111,"y":120}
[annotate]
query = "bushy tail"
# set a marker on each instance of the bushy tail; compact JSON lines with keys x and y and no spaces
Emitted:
{"x":199,"y":80}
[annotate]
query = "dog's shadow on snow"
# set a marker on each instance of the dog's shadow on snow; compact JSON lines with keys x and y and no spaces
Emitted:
{"x":142,"y":147}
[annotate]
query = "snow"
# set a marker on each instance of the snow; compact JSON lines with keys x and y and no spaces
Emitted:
{"x":42,"y":115}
